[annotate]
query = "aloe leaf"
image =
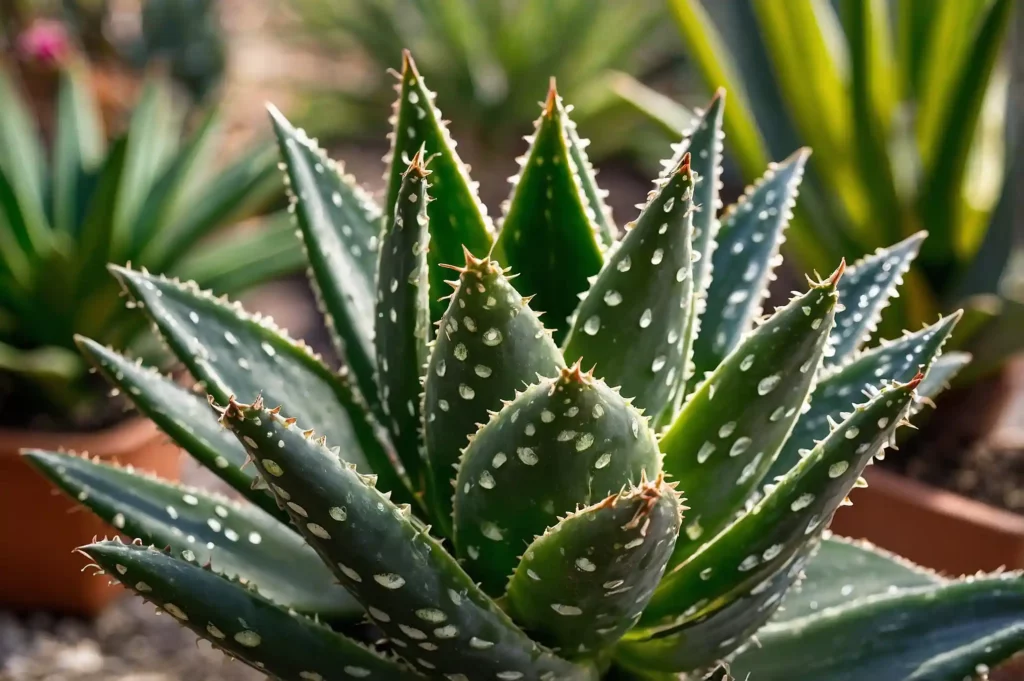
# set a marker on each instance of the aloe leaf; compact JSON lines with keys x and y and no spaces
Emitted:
{"x":403,"y":318}
{"x":599,"y":565}
{"x":697,"y":643}
{"x":340,"y":225}
{"x":21,"y":153}
{"x":846,"y":569}
{"x":77,"y":149}
{"x":547,"y":215}
{"x":570,"y":440}
{"x":97,"y":230}
{"x":238,"y":540}
{"x":642,"y":300}
{"x":897,"y":360}
{"x":244,"y":625}
{"x":754,"y":547}
{"x":489,"y":345}
{"x":414,"y":591}
{"x":234,"y":354}
{"x":942,"y":372}
{"x":865,"y":291}
{"x":457,"y":217}
{"x":731,"y":428}
{"x":184,"y":416}
{"x":598,"y":211}
{"x":747,"y":252}
{"x":937,"y":633}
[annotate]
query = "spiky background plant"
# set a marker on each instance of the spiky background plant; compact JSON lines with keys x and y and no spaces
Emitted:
{"x":566,"y":550}
{"x":145,"y":198}
{"x":908,"y":107}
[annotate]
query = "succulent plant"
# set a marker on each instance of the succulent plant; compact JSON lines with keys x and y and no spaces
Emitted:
{"x":566,"y":549}
{"x":907,"y":110}
{"x":144,"y":199}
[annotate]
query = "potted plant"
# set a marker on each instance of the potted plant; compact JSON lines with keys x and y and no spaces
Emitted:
{"x":68,"y":206}
{"x":566,"y":551}
{"x":908,"y":113}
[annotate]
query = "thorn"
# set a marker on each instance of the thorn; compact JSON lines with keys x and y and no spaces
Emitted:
{"x":684,"y":165}
{"x":838,"y":274}
{"x":915,"y":381}
{"x":552,"y":99}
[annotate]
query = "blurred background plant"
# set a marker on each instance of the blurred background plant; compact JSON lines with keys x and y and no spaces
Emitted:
{"x":71,"y":201}
{"x":485,"y":59}
{"x":181,"y":37}
{"x":906,"y":106}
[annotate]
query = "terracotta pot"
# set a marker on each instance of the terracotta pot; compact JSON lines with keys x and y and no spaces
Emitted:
{"x":932,"y":527}
{"x":40,"y":527}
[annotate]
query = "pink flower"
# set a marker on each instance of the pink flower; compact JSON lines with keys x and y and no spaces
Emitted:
{"x":45,"y":41}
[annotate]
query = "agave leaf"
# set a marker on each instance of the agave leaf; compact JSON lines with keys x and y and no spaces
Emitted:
{"x":184,"y":416}
{"x":743,"y":261}
{"x":244,"y":625}
{"x":632,"y":323}
{"x":457,"y":217}
{"x":234,"y":354}
{"x":865,"y":291}
{"x":78,"y":147}
{"x":898,"y":360}
{"x":435,"y":615}
{"x":730,"y":430}
{"x":845,"y":569}
{"x":490,"y":344}
{"x":22,"y":164}
{"x":756,"y":546}
{"x":403,"y":318}
{"x":235,"y":263}
{"x":238,"y":189}
{"x":547,"y":216}
{"x":698,"y":643}
{"x":340,"y":225}
{"x":239,"y":540}
{"x":935,"y":633}
{"x":597,"y":210}
{"x":598,"y":565}
{"x":570,"y":441}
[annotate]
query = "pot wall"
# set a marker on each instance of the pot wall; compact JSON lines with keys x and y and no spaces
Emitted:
{"x":40,"y":527}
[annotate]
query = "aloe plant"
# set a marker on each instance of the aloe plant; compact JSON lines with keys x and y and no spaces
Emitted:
{"x":906,"y":105}
{"x":143,"y":197}
{"x":498,"y":505}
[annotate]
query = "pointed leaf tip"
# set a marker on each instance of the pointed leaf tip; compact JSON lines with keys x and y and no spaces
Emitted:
{"x":684,"y":164}
{"x":551,"y":102}
{"x":838,"y":274}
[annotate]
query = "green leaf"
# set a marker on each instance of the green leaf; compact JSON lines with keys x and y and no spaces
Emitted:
{"x":97,"y":231}
{"x":632,"y":322}
{"x":583,"y":584}
{"x":21,"y":153}
{"x":754,"y":547}
{"x":78,"y":147}
{"x":412,"y":588}
{"x":235,"y":263}
{"x":340,"y":226}
{"x":744,"y":260}
{"x":665,"y":112}
{"x":865,"y":291}
{"x":184,"y":416}
{"x":943,"y":371}
{"x":402,"y":318}
{"x":165,"y":197}
{"x":730,"y":430}
{"x":243,"y":186}
{"x":597,"y":210}
{"x":845,"y":569}
{"x":457,"y":217}
{"x":239,"y":540}
{"x":234,"y":354}
{"x":938,"y":633}
{"x":26,"y":234}
{"x":898,"y":360}
{"x":239,"y":622}
{"x":569,"y":440}
{"x":546,"y":219}
{"x":489,"y":345}
{"x":940,"y":193}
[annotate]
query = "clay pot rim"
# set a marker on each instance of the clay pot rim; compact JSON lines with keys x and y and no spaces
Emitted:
{"x":944,"y":502}
{"x":119,"y":440}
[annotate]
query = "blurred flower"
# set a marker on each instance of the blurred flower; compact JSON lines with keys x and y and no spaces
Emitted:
{"x":45,"y":41}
